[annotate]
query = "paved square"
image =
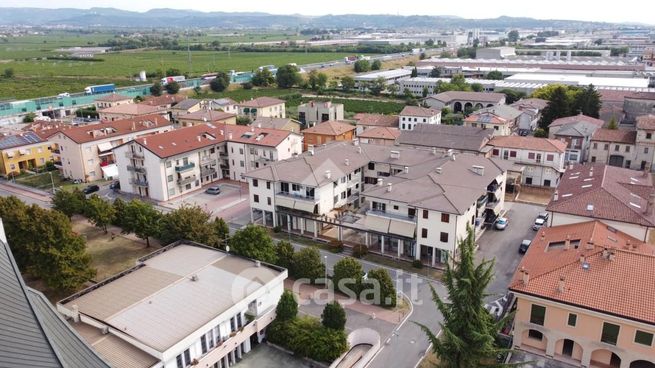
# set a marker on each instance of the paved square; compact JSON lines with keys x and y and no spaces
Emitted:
{"x":265,"y":356}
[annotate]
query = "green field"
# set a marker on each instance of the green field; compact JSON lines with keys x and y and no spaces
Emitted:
{"x":36,"y":46}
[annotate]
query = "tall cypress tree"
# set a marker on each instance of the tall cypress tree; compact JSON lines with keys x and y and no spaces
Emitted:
{"x":558,"y":107}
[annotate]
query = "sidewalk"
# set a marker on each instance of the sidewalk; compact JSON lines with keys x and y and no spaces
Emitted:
{"x":20,"y":189}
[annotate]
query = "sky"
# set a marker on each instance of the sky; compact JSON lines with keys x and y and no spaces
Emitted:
{"x":624,"y":11}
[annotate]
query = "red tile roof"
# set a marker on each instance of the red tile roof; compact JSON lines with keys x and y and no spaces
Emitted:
{"x":376,"y":119}
{"x":575,"y":119}
{"x":419,"y":111}
{"x":210,"y":116}
{"x":642,"y":96}
{"x":486,"y":118}
{"x":330,"y":127}
{"x":116,"y":128}
{"x":132,"y":109}
{"x":529,"y":143}
{"x":261,"y":102}
{"x":45,"y":129}
{"x":605,"y":192}
{"x":646,"y":122}
{"x":163,"y":100}
{"x":620,"y":284}
{"x":615,"y":136}
{"x":198,"y":136}
{"x":113,"y":98}
{"x":380,"y":133}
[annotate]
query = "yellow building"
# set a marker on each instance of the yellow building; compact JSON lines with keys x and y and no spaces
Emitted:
{"x":22,"y":152}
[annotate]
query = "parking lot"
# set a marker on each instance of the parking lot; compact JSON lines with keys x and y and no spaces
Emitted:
{"x":503,"y":245}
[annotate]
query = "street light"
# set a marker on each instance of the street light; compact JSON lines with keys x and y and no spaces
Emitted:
{"x":326,"y":267}
{"x":52,"y":182}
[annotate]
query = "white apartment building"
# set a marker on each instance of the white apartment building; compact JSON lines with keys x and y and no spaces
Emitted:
{"x":412,"y":115}
{"x":266,"y":107}
{"x":312,"y":113}
{"x":541,"y":159}
{"x":165,"y":166}
{"x":184,"y":305}
{"x":85,"y":152}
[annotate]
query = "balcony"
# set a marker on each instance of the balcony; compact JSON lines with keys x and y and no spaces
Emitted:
{"x":58,"y":164}
{"x":131,"y":154}
{"x":492,"y":188}
{"x":223,"y":154}
{"x":185,"y":181}
{"x":183,"y":168}
{"x":56,"y":151}
{"x":298,"y":197}
{"x":139,"y":182}
{"x":207,"y":159}
{"x":138,"y":169}
{"x":395,"y":216}
{"x":207,"y":172}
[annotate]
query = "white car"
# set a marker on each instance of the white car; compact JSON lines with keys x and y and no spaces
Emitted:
{"x":64,"y":94}
{"x":539,"y":223}
{"x":501,"y":223}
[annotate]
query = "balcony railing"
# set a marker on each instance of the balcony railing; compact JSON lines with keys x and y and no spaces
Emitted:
{"x":207,"y":172}
{"x":184,"y":181}
{"x":138,"y":169}
{"x":207,"y":159}
{"x":298,"y":197}
{"x":183,"y":168}
{"x":139,"y":182}
{"x":395,"y":216}
{"x":130,"y":154}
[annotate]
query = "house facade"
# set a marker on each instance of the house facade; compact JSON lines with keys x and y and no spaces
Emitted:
{"x":206,"y":116}
{"x":129,"y":111}
{"x":24,"y":151}
{"x":328,"y":131}
{"x":267,"y":107}
{"x":312,"y":113}
{"x":577,"y":132}
{"x":458,"y":101}
{"x":413,"y":115}
{"x":111,"y":100}
{"x":502,"y":119}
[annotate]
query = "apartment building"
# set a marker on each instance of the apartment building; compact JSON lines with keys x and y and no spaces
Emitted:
{"x":328,"y":131}
{"x":129,"y":111}
{"x":413,"y":115}
{"x":164,"y":101}
{"x":380,"y":135}
{"x":184,"y":305}
{"x":576,"y":131}
{"x":165,"y":166}
{"x":584,"y":296}
{"x":23,"y":151}
{"x":204,"y":117}
{"x":224,"y":104}
{"x":86,"y":152}
{"x":369,"y":121}
{"x":459,"y":101}
{"x":312,"y":113}
{"x":633,"y":149}
{"x":502,"y":119}
{"x":111,"y":100}
{"x":541,"y":159}
{"x":267,"y":107}
{"x":531,"y":109}
{"x":447,"y":137}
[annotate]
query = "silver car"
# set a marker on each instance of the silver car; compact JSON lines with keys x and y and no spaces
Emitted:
{"x":215,"y":190}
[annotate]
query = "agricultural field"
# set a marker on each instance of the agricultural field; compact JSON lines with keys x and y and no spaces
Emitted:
{"x":36,"y":46}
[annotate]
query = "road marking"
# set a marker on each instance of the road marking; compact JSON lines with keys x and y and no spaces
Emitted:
{"x":398,"y":327}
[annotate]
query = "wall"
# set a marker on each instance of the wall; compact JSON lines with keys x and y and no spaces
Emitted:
{"x":407,"y":122}
{"x":39,"y":154}
{"x":634,"y":230}
{"x":601,"y":152}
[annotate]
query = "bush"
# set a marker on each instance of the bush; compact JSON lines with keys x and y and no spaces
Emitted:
{"x":287,"y":307}
{"x":360,"y":250}
{"x":379,"y":277}
{"x":348,"y":268}
{"x":334,"y":316}
{"x":247,"y":85}
{"x":277,"y":229}
{"x":285,"y":254}
{"x":417,"y":263}
{"x":306,"y":337}
{"x":172,"y":88}
{"x":336,"y":246}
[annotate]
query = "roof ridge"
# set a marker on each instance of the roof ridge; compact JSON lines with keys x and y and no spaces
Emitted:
{"x":593,"y":252}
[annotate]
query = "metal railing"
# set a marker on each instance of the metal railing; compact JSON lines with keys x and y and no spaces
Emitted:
{"x":138,"y":169}
{"x":139,"y":182}
{"x":187,"y":167}
{"x":184,"y":181}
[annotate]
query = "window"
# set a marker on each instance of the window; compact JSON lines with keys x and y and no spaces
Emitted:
{"x":203,"y":344}
{"x":649,"y":135}
{"x":403,"y":126}
{"x":607,"y":147}
{"x":443,"y":237}
{"x":256,"y":198}
{"x":531,"y":155}
{"x":644,"y":338}
{"x":593,"y":158}
{"x":595,"y":145}
{"x":170,"y":178}
{"x":395,"y":207}
{"x":178,"y":359}
{"x":295,"y":187}
{"x":512,"y":154}
{"x":255,"y":182}
{"x":445,"y":217}
{"x":550,"y":157}
{"x":90,"y":162}
{"x":371,"y":165}
{"x":537,"y":314}
{"x":610,"y":333}
{"x":645,"y":149}
{"x":534,"y":334}
{"x":241,"y":163}
{"x":424,"y":233}
{"x":241,"y":151}
{"x":616,"y":148}
{"x":268,"y":185}
{"x":495,"y":152}
{"x":268,"y":200}
{"x":343,"y":195}
{"x":573,"y":319}
{"x":627,"y":149}
{"x":425,"y":214}
{"x":411,"y":212}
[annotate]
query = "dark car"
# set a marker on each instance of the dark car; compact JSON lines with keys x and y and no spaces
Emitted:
{"x":116,"y":185}
{"x":525,"y":244}
{"x":91,"y":189}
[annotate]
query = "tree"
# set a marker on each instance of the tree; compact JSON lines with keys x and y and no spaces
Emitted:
{"x":156,"y":89}
{"x":435,"y":72}
{"x":334,"y":316}
{"x":119,"y":212}
{"x":263,"y":78}
{"x":8,"y":73}
{"x":587,"y":102}
{"x":253,"y":242}
{"x":393,"y":89}
{"x":362,"y":66}
{"x":429,"y":42}
{"x":387,"y":292}
{"x":287,"y":307}
{"x":558,"y":107}
{"x":469,"y":331}
{"x":511,"y":95}
{"x":322,"y":81}
{"x":69,"y":202}
{"x":425,"y":92}
{"x":477,"y":87}
{"x":347,"y":83}
{"x":222,"y":232}
{"x":540,"y":133}
{"x":141,"y":219}
{"x":495,"y":75}
{"x":414,"y":73}
{"x":220,"y":83}
{"x":376,"y":65}
{"x":287,"y":76}
{"x":377,"y":86}
{"x":513,"y":36}
{"x":612,"y":124}
{"x":187,"y":222}
{"x":172,"y":88}
{"x":99,"y":211}
{"x":29,"y":117}
{"x":284,"y":252}
{"x":307,"y":264}
{"x":171,"y":72}
{"x":347,"y":276}
{"x":312,"y":79}
{"x":13,"y":213}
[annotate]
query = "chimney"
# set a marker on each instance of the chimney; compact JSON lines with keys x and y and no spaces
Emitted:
{"x":590,"y":244}
{"x":133,"y":126}
{"x":347,"y":162}
{"x":627,"y":244}
{"x":406,"y":169}
{"x":434,"y":151}
{"x":310,"y":149}
{"x":75,"y":315}
{"x":543,"y":235}
{"x":567,"y":242}
{"x":359,"y":149}
{"x":229,"y":136}
{"x":328,"y":174}
{"x":438,"y":170}
{"x":452,"y":157}
{"x":394,"y":154}
{"x":259,"y":125}
{"x":389,"y":187}
{"x":221,"y":132}
{"x":252,"y":128}
{"x":606,"y":253}
{"x":556,"y":195}
{"x":145,"y":142}
{"x":582,"y":258}
{"x":570,"y":166}
{"x":199,"y":138}
{"x":380,"y":182}
{"x":650,"y":204}
{"x":611,"y":255}
{"x":194,"y":277}
{"x":526,"y":277}
{"x":561,"y":284}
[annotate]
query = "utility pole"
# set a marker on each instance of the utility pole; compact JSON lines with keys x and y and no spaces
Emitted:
{"x":188,"y":50}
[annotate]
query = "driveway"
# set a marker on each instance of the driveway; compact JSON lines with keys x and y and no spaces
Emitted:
{"x":536,"y":361}
{"x":502,"y":246}
{"x":265,"y":356}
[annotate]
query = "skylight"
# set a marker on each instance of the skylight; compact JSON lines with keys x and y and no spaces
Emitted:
{"x":635,"y":205}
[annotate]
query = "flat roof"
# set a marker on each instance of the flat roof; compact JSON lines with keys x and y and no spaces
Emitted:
{"x":394,"y":73}
{"x":581,"y":80}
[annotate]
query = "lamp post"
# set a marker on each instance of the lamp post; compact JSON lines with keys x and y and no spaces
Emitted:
{"x":326,"y":269}
{"x":52,"y":182}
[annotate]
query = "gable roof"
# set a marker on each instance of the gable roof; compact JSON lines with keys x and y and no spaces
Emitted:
{"x":376,"y":119}
{"x":503,"y":111}
{"x":487,"y":97}
{"x":380,"y":133}
{"x":535,"y":103}
{"x":529,"y":143}
{"x":605,"y":192}
{"x":132,"y":109}
{"x":578,"y":129}
{"x":618,"y":286}
{"x":261,"y":102}
{"x":576,"y":119}
{"x":114,"y":97}
{"x":615,"y":136}
{"x":330,"y":127}
{"x":116,"y":128}
{"x":642,"y":95}
{"x":163,"y":100}
{"x":419,"y":111}
{"x":210,"y":116}
{"x":186,"y":104}
{"x":461,"y":138}
{"x":646,"y":122}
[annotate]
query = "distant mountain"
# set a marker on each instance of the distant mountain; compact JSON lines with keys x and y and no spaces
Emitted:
{"x":110,"y":17}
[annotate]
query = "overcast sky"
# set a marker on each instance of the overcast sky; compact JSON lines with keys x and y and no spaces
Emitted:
{"x":623,"y":11}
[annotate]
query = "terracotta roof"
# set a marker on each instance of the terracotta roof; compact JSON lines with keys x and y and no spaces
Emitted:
{"x":261,"y":102}
{"x":607,"y":95}
{"x":459,"y":138}
{"x":132,"y":109}
{"x":380,"y":133}
{"x":46,"y":129}
{"x":642,"y":95}
{"x":605,"y":192}
{"x":575,"y":119}
{"x":330,"y":127}
{"x":186,"y":104}
{"x":376,"y":120}
{"x":489,"y":97}
{"x":206,"y":116}
{"x":529,"y":143}
{"x":486,"y":118}
{"x":419,"y":111}
{"x":192,"y":138}
{"x":163,"y":100}
{"x":615,"y":136}
{"x":535,"y":103}
{"x":113,"y":98}
{"x":620,"y":284}
{"x":116,"y":128}
{"x":646,"y":122}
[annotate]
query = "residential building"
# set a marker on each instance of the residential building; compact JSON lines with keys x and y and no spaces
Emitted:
{"x":638,"y":104}
{"x":645,"y":143}
{"x":531,"y":109}
{"x":458,"y":101}
{"x":328,"y":131}
{"x":614,"y":147}
{"x":185,"y":107}
{"x":165,"y":166}
{"x":128,"y":111}
{"x":23,"y":151}
{"x":111,"y":100}
{"x":312,"y":113}
{"x":541,"y":159}
{"x":267,"y":107}
{"x":206,"y":116}
{"x":224,"y":104}
{"x":380,"y":135}
{"x":389,"y":76}
{"x":621,"y":198}
{"x":576,"y":131}
{"x":32,"y":333}
{"x":413,"y":115}
{"x":502,"y":119}
{"x":583,"y":297}
{"x":277,"y":123}
{"x":85,"y":152}
{"x":367,"y":121}
{"x":184,"y":305}
{"x":164,"y":101}
{"x":447,"y":137}
{"x":399,"y":201}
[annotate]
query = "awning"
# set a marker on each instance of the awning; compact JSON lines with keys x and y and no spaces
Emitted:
{"x":22,"y":151}
{"x":102,"y":147}
{"x":378,"y":224}
{"x":110,"y":171}
{"x":402,"y":228}
{"x":305,"y":206}
{"x":284,"y":202}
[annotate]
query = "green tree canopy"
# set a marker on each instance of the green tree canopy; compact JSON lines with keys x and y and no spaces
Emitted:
{"x":172,"y":88}
{"x":187,"y":222}
{"x":376,"y":65}
{"x":69,"y":202}
{"x":220,"y":83}
{"x":99,"y":211}
{"x":287,"y":76}
{"x":425,"y":92}
{"x":334,"y":316}
{"x":222,"y":232}
{"x":435,"y":72}
{"x":347,"y":83}
{"x":558,"y":107}
{"x":414,"y":73}
{"x":263,"y":78}
{"x":387,"y":292}
{"x":511,"y":95}
{"x":287,"y":307}
{"x":285,"y":252}
{"x":350,"y":271}
{"x":587,"y":102}
{"x":362,"y":66}
{"x":477,"y":87}
{"x":307,"y":264}
{"x":377,"y":86}
{"x":156,"y":89}
{"x":141,"y":219}
{"x":513,"y":36}
{"x":495,"y":75}
{"x":254,"y":242}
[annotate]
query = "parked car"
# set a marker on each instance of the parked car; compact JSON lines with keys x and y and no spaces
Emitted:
{"x":501,"y":223}
{"x":91,"y":189}
{"x":544,"y":215}
{"x":525,"y":244}
{"x":63,"y":94}
{"x":115,"y":185}
{"x":539,"y":223}
{"x":215,"y":190}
